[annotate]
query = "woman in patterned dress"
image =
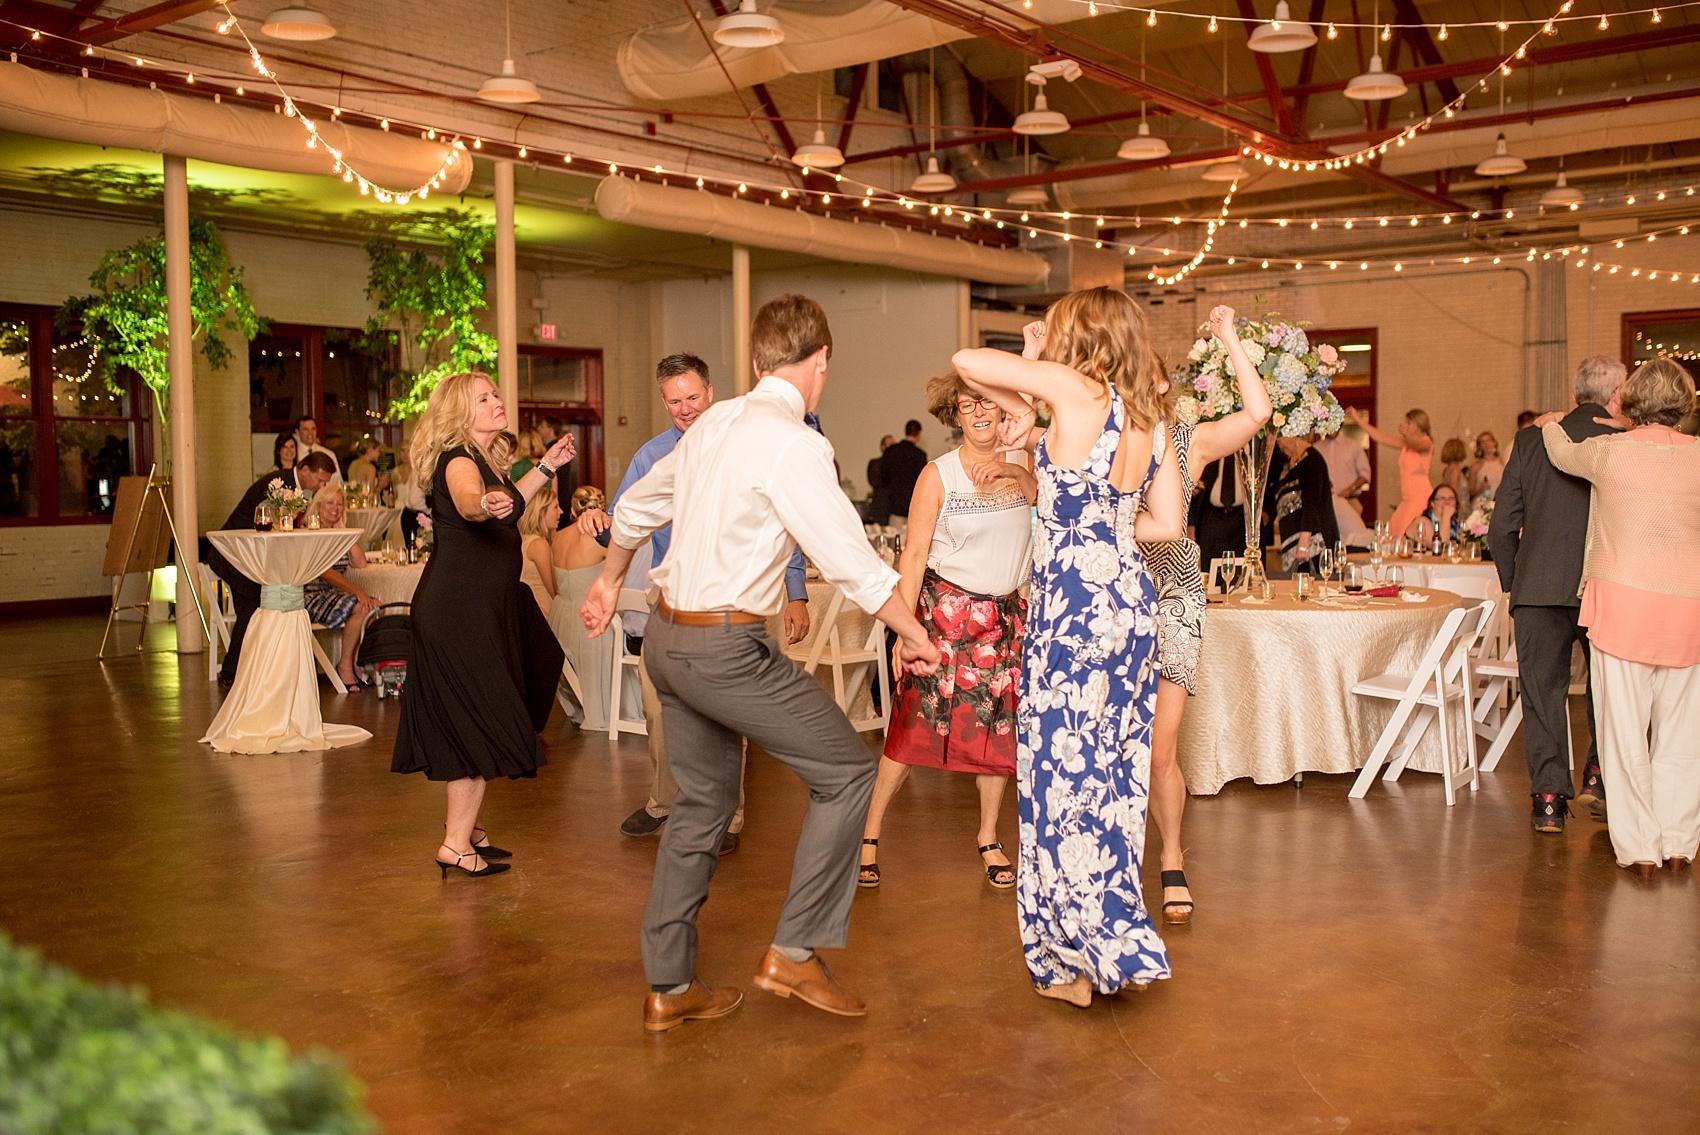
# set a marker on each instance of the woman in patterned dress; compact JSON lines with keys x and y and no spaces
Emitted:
{"x":333,"y":600}
{"x":967,"y":557}
{"x":1180,"y":607}
{"x":1107,"y":478}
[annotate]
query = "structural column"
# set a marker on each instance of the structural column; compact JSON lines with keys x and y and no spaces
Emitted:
{"x":180,"y":356}
{"x":507,"y":299}
{"x":742,"y":378}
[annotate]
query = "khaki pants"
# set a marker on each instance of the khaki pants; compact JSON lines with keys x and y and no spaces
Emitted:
{"x":1649,"y":723}
{"x":664,"y":789}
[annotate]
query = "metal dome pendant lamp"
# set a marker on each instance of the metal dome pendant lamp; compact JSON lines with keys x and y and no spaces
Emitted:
{"x":934,"y":180}
{"x":1142,"y":147}
{"x":1281,"y":34}
{"x":1375,"y":84}
{"x":508,"y":87}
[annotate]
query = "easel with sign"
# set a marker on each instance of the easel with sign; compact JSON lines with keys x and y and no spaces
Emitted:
{"x":140,"y":542}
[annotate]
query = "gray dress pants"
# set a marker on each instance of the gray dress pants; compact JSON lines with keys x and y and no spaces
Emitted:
{"x":718,"y":685}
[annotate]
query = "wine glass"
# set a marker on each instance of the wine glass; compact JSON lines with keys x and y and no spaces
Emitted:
{"x":1396,"y":576}
{"x":265,"y":516}
{"x":1324,"y":565}
{"x":1377,"y":554}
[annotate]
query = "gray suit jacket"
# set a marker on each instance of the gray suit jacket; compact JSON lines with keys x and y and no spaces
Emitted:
{"x":1540,"y":518}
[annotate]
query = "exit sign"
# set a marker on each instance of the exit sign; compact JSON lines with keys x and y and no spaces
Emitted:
{"x":545,"y":330}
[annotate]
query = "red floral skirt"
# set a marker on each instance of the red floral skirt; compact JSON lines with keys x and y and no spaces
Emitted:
{"x":962,"y":717}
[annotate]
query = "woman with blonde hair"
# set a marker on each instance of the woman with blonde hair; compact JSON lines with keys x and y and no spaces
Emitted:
{"x":1415,"y":440}
{"x":528,"y":449}
{"x":483,"y":668}
{"x":966,"y":557}
{"x":1108,"y":478}
{"x":333,"y":600}
{"x":1641,"y":605}
{"x":537,"y":526}
{"x":575,"y":562}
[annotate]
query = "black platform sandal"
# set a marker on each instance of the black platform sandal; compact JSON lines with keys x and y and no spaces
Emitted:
{"x":999,"y":875}
{"x":487,"y":850}
{"x":1170,"y":915}
{"x":868,"y":874}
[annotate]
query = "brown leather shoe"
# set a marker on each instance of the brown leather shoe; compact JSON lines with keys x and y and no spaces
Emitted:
{"x":810,"y":982}
{"x":664,"y":1011}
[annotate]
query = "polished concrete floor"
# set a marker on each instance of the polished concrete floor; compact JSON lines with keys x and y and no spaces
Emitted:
{"x":1379,"y":965}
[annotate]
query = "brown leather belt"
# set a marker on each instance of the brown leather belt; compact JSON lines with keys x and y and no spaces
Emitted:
{"x":707,"y":618}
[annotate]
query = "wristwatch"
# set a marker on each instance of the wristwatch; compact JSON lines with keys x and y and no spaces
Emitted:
{"x":546,"y":469}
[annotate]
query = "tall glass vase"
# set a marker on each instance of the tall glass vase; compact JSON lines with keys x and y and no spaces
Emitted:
{"x":1254,"y":462}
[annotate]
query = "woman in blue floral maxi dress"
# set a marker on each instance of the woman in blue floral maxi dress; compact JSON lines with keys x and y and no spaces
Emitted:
{"x":1089,"y":667}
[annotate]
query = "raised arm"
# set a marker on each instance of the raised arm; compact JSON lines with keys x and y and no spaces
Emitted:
{"x":1015,"y":381}
{"x":562,"y":452}
{"x":1214,"y":440}
{"x":473,"y":499}
{"x":1380,"y":437}
{"x":1578,"y":458}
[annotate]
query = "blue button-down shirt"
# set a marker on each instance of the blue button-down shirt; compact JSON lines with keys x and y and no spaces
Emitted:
{"x":659,"y":446}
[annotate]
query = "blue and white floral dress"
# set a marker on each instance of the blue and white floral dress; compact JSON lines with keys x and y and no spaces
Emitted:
{"x":1089,"y":691}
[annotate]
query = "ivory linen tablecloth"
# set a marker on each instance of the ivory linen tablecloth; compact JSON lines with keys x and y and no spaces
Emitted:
{"x":387,"y":583}
{"x":1275,"y":684}
{"x":373,"y":523}
{"x":273,"y":706}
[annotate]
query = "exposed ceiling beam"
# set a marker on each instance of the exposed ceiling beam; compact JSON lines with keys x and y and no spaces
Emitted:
{"x":1307,"y":67}
{"x":768,"y":106}
{"x":1107,"y":169}
{"x":1421,"y":43}
{"x":982,"y":137}
{"x":1512,"y":117}
{"x":858,"y":87}
{"x":1284,"y":119}
{"x":145,"y":20}
{"x":86,"y":8}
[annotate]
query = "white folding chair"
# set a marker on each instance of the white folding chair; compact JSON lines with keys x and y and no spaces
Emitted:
{"x":1501,"y":682}
{"x":848,"y":666}
{"x":631,"y":599}
{"x":1423,"y":697}
{"x":569,"y":686}
{"x":1474,"y":585}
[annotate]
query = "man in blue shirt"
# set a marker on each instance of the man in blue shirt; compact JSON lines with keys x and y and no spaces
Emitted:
{"x":686,"y":392}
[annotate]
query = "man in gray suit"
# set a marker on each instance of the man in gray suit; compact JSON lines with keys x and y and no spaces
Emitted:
{"x":749,"y":483}
{"x":1538,"y":534}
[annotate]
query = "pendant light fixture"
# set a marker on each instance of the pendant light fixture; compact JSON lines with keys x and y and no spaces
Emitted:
{"x":1375,"y":84}
{"x":1041,"y":119}
{"x":1231,"y":169}
{"x":934,"y":180}
{"x":1283,"y":33}
{"x":1142,"y":147}
{"x":818,"y":153}
{"x":508,"y":87}
{"x":1501,"y":163}
{"x":1561,"y":195}
{"x":1030,"y":196}
{"x":748,"y":27}
{"x":303,"y":24}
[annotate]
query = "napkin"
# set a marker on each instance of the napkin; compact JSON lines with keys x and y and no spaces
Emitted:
{"x":1387,"y":592}
{"x":1413,"y":597}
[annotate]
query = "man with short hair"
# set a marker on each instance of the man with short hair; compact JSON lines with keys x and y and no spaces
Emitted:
{"x":311,"y":473}
{"x":1348,"y":475}
{"x":901,"y":467}
{"x":306,"y":432}
{"x":1538,"y":534}
{"x":747,"y":485}
{"x":685,"y":393}
{"x":879,"y":504}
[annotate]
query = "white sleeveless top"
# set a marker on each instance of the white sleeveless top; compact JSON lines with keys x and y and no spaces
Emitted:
{"x":983,"y":542}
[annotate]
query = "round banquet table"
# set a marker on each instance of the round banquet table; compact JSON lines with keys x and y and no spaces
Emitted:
{"x":1275,"y":679}
{"x":373,"y":523}
{"x":387,"y":583}
{"x":273,"y":706}
{"x":1420,"y":570}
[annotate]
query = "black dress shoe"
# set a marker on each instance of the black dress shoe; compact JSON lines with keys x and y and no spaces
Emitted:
{"x":728,"y":844}
{"x":224,"y":684}
{"x":641,"y":825}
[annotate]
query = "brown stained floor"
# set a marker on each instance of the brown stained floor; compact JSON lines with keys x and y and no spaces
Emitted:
{"x":1378,"y":965}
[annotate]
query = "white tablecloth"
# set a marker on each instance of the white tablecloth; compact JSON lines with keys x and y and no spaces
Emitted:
{"x":273,"y":706}
{"x":388,"y":583}
{"x":1275,"y":681}
{"x":373,"y":524}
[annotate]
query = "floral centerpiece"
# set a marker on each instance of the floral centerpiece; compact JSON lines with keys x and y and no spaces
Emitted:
{"x":288,"y":501}
{"x":1298,"y":375}
{"x":1476,"y":525}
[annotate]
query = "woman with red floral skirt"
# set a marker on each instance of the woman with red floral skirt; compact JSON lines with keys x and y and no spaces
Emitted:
{"x":967,"y":556}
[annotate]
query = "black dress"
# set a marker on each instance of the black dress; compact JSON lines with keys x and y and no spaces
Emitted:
{"x":482,"y":674}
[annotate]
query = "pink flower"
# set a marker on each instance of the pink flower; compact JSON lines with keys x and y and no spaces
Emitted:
{"x":942,"y":729}
{"x":947,"y":682}
{"x":966,"y":679}
{"x":984,"y":654}
{"x":999,"y":683}
{"x":1328,"y":354}
{"x":1001,"y":729}
{"x":425,"y":521}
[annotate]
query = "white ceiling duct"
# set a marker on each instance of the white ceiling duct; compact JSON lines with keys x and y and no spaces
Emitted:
{"x":670,"y":61}
{"x":112,"y":114}
{"x":789,"y":230}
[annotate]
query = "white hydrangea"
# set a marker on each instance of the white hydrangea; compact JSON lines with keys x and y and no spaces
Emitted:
{"x":1254,"y":351}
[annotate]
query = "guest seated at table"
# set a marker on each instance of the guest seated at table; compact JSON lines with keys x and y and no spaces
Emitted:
{"x":1441,"y":517}
{"x":1304,"y":506}
{"x":575,"y":561}
{"x":363,"y":470}
{"x":333,"y":600}
{"x":967,"y":557}
{"x":283,"y":454}
{"x":310,"y":473}
{"x":1641,"y":605}
{"x":541,"y":518}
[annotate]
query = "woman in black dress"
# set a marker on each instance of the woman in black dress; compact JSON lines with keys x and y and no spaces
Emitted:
{"x":482,"y":673}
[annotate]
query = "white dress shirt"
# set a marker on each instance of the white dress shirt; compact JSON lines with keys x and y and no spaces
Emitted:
{"x":1347,"y":461}
{"x":747,"y":483}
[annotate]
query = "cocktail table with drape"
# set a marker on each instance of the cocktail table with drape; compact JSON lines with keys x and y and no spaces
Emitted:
{"x":273,"y":706}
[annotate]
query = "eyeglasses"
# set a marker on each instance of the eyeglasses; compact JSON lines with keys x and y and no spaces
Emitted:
{"x":969,"y":405}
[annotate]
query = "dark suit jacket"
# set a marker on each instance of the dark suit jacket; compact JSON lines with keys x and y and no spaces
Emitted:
{"x":1540,"y":518}
{"x":902,"y":465}
{"x":242,"y":516}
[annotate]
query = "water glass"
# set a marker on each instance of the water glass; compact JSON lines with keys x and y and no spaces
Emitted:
{"x":1354,"y":578}
{"x":1454,"y":553}
{"x":1301,"y":586}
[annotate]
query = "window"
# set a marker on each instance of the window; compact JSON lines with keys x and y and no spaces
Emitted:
{"x":1663,"y":335}
{"x":565,"y":383}
{"x":65,"y":438}
{"x":321,"y":372}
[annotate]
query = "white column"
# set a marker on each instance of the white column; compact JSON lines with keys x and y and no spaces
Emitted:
{"x":742,"y":378}
{"x":180,"y":354}
{"x":507,"y":301}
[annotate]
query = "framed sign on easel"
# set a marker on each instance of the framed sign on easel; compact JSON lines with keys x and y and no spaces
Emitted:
{"x":139,"y":542}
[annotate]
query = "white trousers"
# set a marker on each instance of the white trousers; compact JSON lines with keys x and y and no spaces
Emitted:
{"x":1648,"y":719}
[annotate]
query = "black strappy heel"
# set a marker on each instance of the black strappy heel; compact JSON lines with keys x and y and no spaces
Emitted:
{"x":489,"y":850}
{"x":488,"y":868}
{"x":999,"y":875}
{"x":868,"y":874}
{"x":1170,"y":916}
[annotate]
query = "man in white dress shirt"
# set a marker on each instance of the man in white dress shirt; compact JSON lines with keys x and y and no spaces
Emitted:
{"x":307,"y":441}
{"x":746,"y":485}
{"x":1348,"y":469}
